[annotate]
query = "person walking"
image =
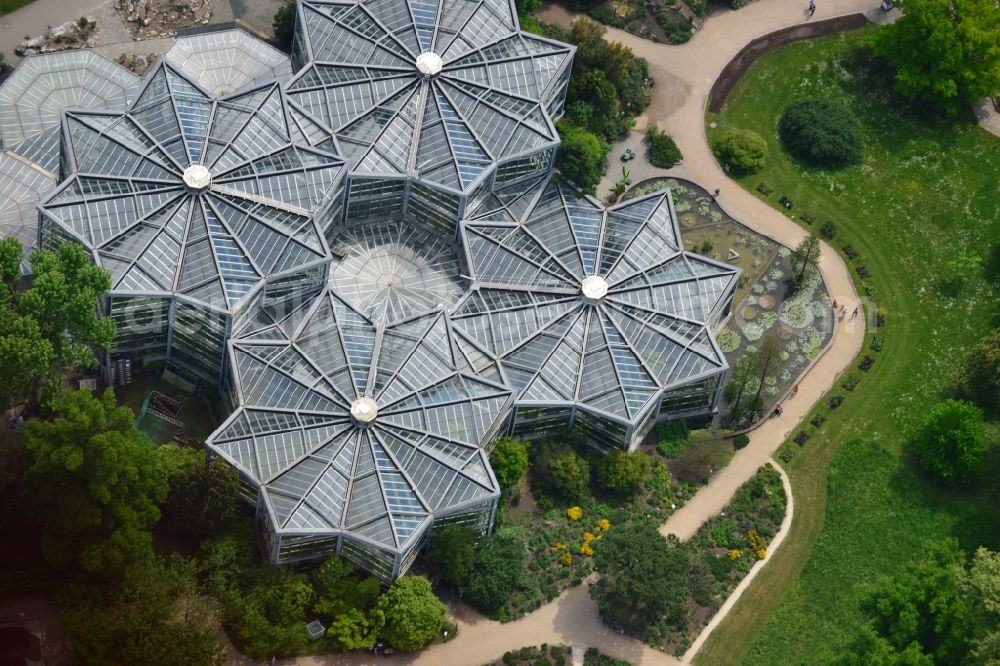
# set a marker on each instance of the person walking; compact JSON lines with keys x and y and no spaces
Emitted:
{"x":854,"y":314}
{"x":812,"y":7}
{"x":717,"y":190}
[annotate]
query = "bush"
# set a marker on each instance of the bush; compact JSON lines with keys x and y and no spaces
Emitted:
{"x":829,"y":230}
{"x":581,"y":156}
{"x":413,"y":614}
{"x":622,"y":472}
{"x":821,"y":132}
{"x":743,"y":151}
{"x":951,"y":442}
{"x":671,"y":438}
{"x":836,"y":401}
{"x":497,"y":573}
{"x":510,"y":461}
{"x":663,"y":152}
{"x":569,"y":475}
{"x":740,"y":441}
{"x":284,"y":25}
{"x":697,"y":464}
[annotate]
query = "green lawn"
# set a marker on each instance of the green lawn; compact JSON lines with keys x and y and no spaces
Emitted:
{"x":927,"y":188}
{"x":8,"y":6}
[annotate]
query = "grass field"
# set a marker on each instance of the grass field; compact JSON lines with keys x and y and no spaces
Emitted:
{"x":926,"y":190}
{"x":8,"y":6}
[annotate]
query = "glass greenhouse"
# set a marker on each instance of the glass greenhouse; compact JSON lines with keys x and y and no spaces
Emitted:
{"x":198,"y":207}
{"x":599,"y":318}
{"x":33,"y":97}
{"x":227,"y":61}
{"x":298,"y":242}
{"x":360,"y":438}
{"x":432,"y":103}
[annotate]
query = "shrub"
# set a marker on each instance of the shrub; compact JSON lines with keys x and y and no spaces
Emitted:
{"x":850,"y":252}
{"x":836,"y":401}
{"x":821,"y":132}
{"x":510,"y":461}
{"x":740,"y":441}
{"x":671,"y":438}
{"x":951,"y":442}
{"x":284,"y":25}
{"x":663,"y":152}
{"x":867,"y":363}
{"x":802,"y":438}
{"x":582,"y":156}
{"x":786,"y":455}
{"x":818,"y":419}
{"x":829,"y":230}
{"x":569,"y":475}
{"x":850,"y":383}
{"x":741,"y":150}
{"x":622,"y":472}
{"x":877,"y":343}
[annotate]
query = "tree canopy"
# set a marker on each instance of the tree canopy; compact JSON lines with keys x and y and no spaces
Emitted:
{"x":283,"y":25}
{"x":821,"y":132}
{"x":349,"y":603}
{"x":644,"y":578}
{"x":945,"y":53}
{"x":980,"y":376}
{"x":951,"y":442}
{"x":496,"y":574}
{"x":95,"y":482}
{"x":581,"y":156}
{"x":622,"y":472}
{"x":743,"y":151}
{"x":509,"y":461}
{"x":452,"y":553}
{"x":413,"y":614}
{"x":51,"y":327}
{"x":935,"y":610}
{"x":270,"y":619}
{"x":569,"y":475}
{"x":202,"y":501}
{"x":154,"y":615}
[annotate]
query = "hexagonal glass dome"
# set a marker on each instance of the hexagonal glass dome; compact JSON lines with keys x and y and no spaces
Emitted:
{"x":431,"y":102}
{"x":359,"y":438}
{"x":598,"y":316}
{"x":197,"y":207}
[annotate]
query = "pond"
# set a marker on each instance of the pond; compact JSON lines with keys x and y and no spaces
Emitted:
{"x":802,"y":321}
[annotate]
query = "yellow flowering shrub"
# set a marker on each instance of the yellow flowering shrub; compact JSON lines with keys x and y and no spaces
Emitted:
{"x":587,"y":537}
{"x":574,"y":513}
{"x":603,"y":524}
{"x":757,"y":544}
{"x":585,"y":549}
{"x":735,"y":555}
{"x":557,"y":546}
{"x":566,"y":559}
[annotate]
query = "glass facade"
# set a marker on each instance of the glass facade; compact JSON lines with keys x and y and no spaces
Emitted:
{"x":359,"y":433}
{"x":226,"y":61}
{"x":197,"y":201}
{"x":597,"y":310}
{"x":437,"y":94}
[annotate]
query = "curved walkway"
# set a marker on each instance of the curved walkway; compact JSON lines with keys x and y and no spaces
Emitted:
{"x":684,"y":75}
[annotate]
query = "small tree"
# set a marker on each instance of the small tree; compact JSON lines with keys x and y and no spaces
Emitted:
{"x":581,"y":156}
{"x":980,"y":378}
{"x":663,"y":151}
{"x":271,"y":619}
{"x":570,"y":476}
{"x":349,"y":602}
{"x":95,"y":482}
{"x":413,"y":615}
{"x":737,"y":392}
{"x":807,"y":255}
{"x":51,"y":327}
{"x":510,"y":461}
{"x":452,"y":553}
{"x":644,"y":579}
{"x":768,"y":361}
{"x":284,"y":25}
{"x":821,"y":132}
{"x":945,"y":52}
{"x":743,"y":151}
{"x":622,"y":472}
{"x":202,"y":501}
{"x":952,"y":441}
{"x":496,"y":574}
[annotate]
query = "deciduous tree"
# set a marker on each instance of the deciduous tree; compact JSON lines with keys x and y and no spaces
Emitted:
{"x":95,"y":482}
{"x":452,"y":553}
{"x":581,"y":156}
{"x":944,"y":52}
{"x":952,"y":441}
{"x":980,"y":376}
{"x":413,"y":614}
{"x":569,"y":475}
{"x":623,"y":472}
{"x":644,"y":579}
{"x":509,"y":461}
